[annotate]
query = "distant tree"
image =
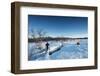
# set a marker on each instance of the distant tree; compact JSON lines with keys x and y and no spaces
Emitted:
{"x":38,"y":35}
{"x":33,"y":33}
{"x":41,"y":33}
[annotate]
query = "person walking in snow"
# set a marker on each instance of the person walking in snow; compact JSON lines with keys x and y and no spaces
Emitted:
{"x":47,"y":46}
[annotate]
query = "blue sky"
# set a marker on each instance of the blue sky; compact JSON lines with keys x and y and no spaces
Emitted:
{"x":57,"y":26}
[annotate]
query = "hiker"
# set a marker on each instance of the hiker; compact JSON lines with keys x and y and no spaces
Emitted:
{"x":47,"y":46}
{"x":78,"y":43}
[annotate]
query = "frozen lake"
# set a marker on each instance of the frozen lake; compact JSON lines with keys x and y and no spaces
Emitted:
{"x":70,"y":50}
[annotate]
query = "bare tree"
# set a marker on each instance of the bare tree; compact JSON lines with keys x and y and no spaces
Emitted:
{"x":41,"y":33}
{"x":38,"y":33}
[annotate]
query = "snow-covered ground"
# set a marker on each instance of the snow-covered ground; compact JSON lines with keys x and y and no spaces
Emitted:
{"x":70,"y":50}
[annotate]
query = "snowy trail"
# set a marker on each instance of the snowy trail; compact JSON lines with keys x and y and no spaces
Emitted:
{"x":46,"y":55}
{"x":53,"y":48}
{"x":58,"y":50}
{"x":71,"y":51}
